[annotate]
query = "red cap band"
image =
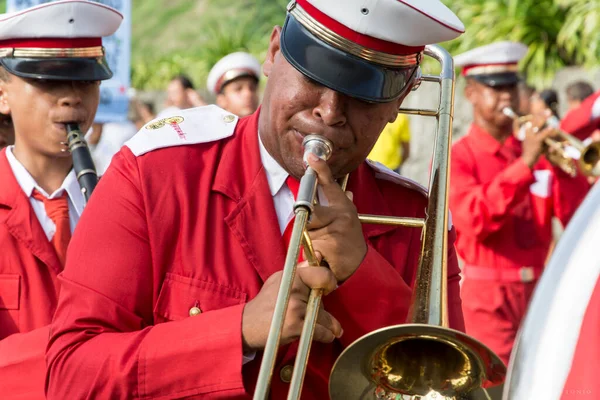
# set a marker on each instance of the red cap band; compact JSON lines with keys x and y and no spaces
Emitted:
{"x":364,"y":40}
{"x":51,"y":43}
{"x":467,"y":68}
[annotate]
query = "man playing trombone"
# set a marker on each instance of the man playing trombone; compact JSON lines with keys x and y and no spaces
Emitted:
{"x":504,"y":193}
{"x":174,"y":295}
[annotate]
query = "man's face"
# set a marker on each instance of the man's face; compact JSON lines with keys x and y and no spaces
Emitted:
{"x":489,"y":101}
{"x":295,"y":106}
{"x":176,"y":95}
{"x":239,"y":97}
{"x":40,"y":109}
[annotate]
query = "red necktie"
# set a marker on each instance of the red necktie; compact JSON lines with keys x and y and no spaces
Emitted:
{"x":294,"y":185}
{"x":57,"y":210}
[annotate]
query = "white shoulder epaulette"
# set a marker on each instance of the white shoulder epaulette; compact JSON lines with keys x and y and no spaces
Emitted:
{"x":383,"y":172}
{"x":183,"y":127}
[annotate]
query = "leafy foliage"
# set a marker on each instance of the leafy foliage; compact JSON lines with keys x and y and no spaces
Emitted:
{"x":220,"y":27}
{"x":536,"y":23}
{"x":580,"y":36}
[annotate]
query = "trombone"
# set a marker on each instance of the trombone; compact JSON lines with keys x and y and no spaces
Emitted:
{"x":422,"y":359}
{"x":587,"y":157}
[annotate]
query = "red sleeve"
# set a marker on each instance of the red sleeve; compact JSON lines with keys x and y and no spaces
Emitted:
{"x":481,"y":209}
{"x":22,"y":365}
{"x":578,"y":122}
{"x":377,"y":294}
{"x":567,"y":193}
{"x":117,"y":352}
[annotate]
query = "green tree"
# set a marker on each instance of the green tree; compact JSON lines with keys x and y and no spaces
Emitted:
{"x":536,"y":23}
{"x":580,"y":33}
{"x":192,"y":39}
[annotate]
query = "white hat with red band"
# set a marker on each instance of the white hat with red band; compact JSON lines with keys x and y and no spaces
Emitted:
{"x":379,"y":42}
{"x":230,"y":68}
{"x":58,"y":40}
{"x":493,"y":64}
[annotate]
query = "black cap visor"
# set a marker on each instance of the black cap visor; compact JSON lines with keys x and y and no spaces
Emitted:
{"x":497,"y":80}
{"x":339,"y":70}
{"x":63,"y":69}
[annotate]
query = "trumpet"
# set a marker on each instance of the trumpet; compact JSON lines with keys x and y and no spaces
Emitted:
{"x":423,"y":359}
{"x":586,"y":157}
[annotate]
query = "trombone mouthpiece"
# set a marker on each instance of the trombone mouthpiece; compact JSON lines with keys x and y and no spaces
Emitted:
{"x":318,"y":146}
{"x":509,"y":112}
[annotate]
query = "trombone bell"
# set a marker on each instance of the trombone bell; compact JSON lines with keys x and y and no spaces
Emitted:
{"x":402,"y":361}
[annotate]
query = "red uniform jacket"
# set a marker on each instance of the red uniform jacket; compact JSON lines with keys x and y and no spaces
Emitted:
{"x":501,"y":209}
{"x":195,"y":225}
{"x":580,"y":122}
{"x":28,"y":291}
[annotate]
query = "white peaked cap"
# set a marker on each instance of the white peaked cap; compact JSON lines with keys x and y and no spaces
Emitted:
{"x":60,"y":40}
{"x":495,"y":64}
{"x":378,"y":43}
{"x":492,"y":54}
{"x":410,"y":23}
{"x":61,"y":19}
{"x":230,"y":67}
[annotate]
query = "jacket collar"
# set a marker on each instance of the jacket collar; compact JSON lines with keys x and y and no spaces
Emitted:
{"x":21,"y":221}
{"x":28,"y":184}
{"x":251,"y":176}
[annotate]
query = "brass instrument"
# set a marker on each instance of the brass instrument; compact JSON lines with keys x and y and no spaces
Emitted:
{"x":589,"y":155}
{"x":423,"y":359}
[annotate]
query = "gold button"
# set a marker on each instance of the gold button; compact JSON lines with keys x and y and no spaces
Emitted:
{"x":286,"y":373}
{"x":229,"y":118}
{"x":195,"y":311}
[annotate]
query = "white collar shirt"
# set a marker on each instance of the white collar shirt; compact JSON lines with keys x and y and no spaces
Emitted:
{"x":28,"y":184}
{"x":283,"y":199}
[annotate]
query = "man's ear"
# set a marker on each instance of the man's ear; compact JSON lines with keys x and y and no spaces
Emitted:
{"x":272,"y":51}
{"x":471,"y":91}
{"x":4,"y":106}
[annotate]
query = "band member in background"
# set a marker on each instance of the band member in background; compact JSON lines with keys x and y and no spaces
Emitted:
{"x":192,"y":214}
{"x":181,"y":95}
{"x":584,"y":120}
{"x":544,"y":103}
{"x":577,"y":92}
{"x":503,"y":196}
{"x":234,"y":81}
{"x":40,"y":199}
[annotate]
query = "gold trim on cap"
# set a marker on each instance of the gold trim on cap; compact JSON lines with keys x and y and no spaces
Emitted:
{"x":341,"y":43}
{"x":38,"y":52}
{"x":492,"y":69}
{"x":234,"y":74}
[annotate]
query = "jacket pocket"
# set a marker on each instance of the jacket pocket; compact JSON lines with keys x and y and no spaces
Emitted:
{"x":179,"y":294}
{"x":10,"y":285}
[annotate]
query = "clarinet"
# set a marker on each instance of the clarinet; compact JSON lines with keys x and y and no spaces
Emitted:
{"x":82,"y":160}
